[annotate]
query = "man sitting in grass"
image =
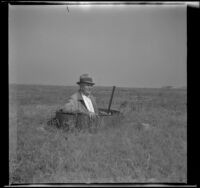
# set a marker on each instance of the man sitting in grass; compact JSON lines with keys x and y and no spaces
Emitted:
{"x":83,"y":101}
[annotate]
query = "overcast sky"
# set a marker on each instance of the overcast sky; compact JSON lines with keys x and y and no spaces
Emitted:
{"x":126,"y":46}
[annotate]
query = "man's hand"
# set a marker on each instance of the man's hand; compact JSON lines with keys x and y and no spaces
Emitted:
{"x":92,"y":115}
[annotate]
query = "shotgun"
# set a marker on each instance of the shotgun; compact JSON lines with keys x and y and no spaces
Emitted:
{"x":111,"y":98}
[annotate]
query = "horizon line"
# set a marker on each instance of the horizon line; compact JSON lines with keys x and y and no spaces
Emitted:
{"x":161,"y":87}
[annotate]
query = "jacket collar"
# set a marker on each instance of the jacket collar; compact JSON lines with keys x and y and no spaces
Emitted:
{"x":80,"y":97}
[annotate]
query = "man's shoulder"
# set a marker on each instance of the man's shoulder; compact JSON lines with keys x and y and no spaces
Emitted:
{"x":93,"y":98}
{"x":76,"y":96}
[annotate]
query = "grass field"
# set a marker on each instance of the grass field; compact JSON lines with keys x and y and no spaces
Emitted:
{"x":149,"y":144}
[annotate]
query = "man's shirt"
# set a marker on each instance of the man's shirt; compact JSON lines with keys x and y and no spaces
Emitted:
{"x":88,"y":103}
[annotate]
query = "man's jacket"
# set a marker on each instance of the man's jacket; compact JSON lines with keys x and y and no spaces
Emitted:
{"x":77,"y":104}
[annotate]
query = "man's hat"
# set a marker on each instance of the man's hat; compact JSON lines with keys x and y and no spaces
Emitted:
{"x":85,"y":79}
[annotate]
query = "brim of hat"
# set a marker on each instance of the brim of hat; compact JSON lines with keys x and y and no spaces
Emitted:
{"x":91,"y":83}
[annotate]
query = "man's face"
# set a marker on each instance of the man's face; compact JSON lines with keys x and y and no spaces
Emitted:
{"x":86,"y":89}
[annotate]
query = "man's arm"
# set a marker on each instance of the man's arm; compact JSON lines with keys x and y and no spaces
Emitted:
{"x":70,"y":106}
{"x":93,"y":99}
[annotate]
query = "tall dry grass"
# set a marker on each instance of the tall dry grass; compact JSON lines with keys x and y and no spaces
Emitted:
{"x":148,"y":145}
